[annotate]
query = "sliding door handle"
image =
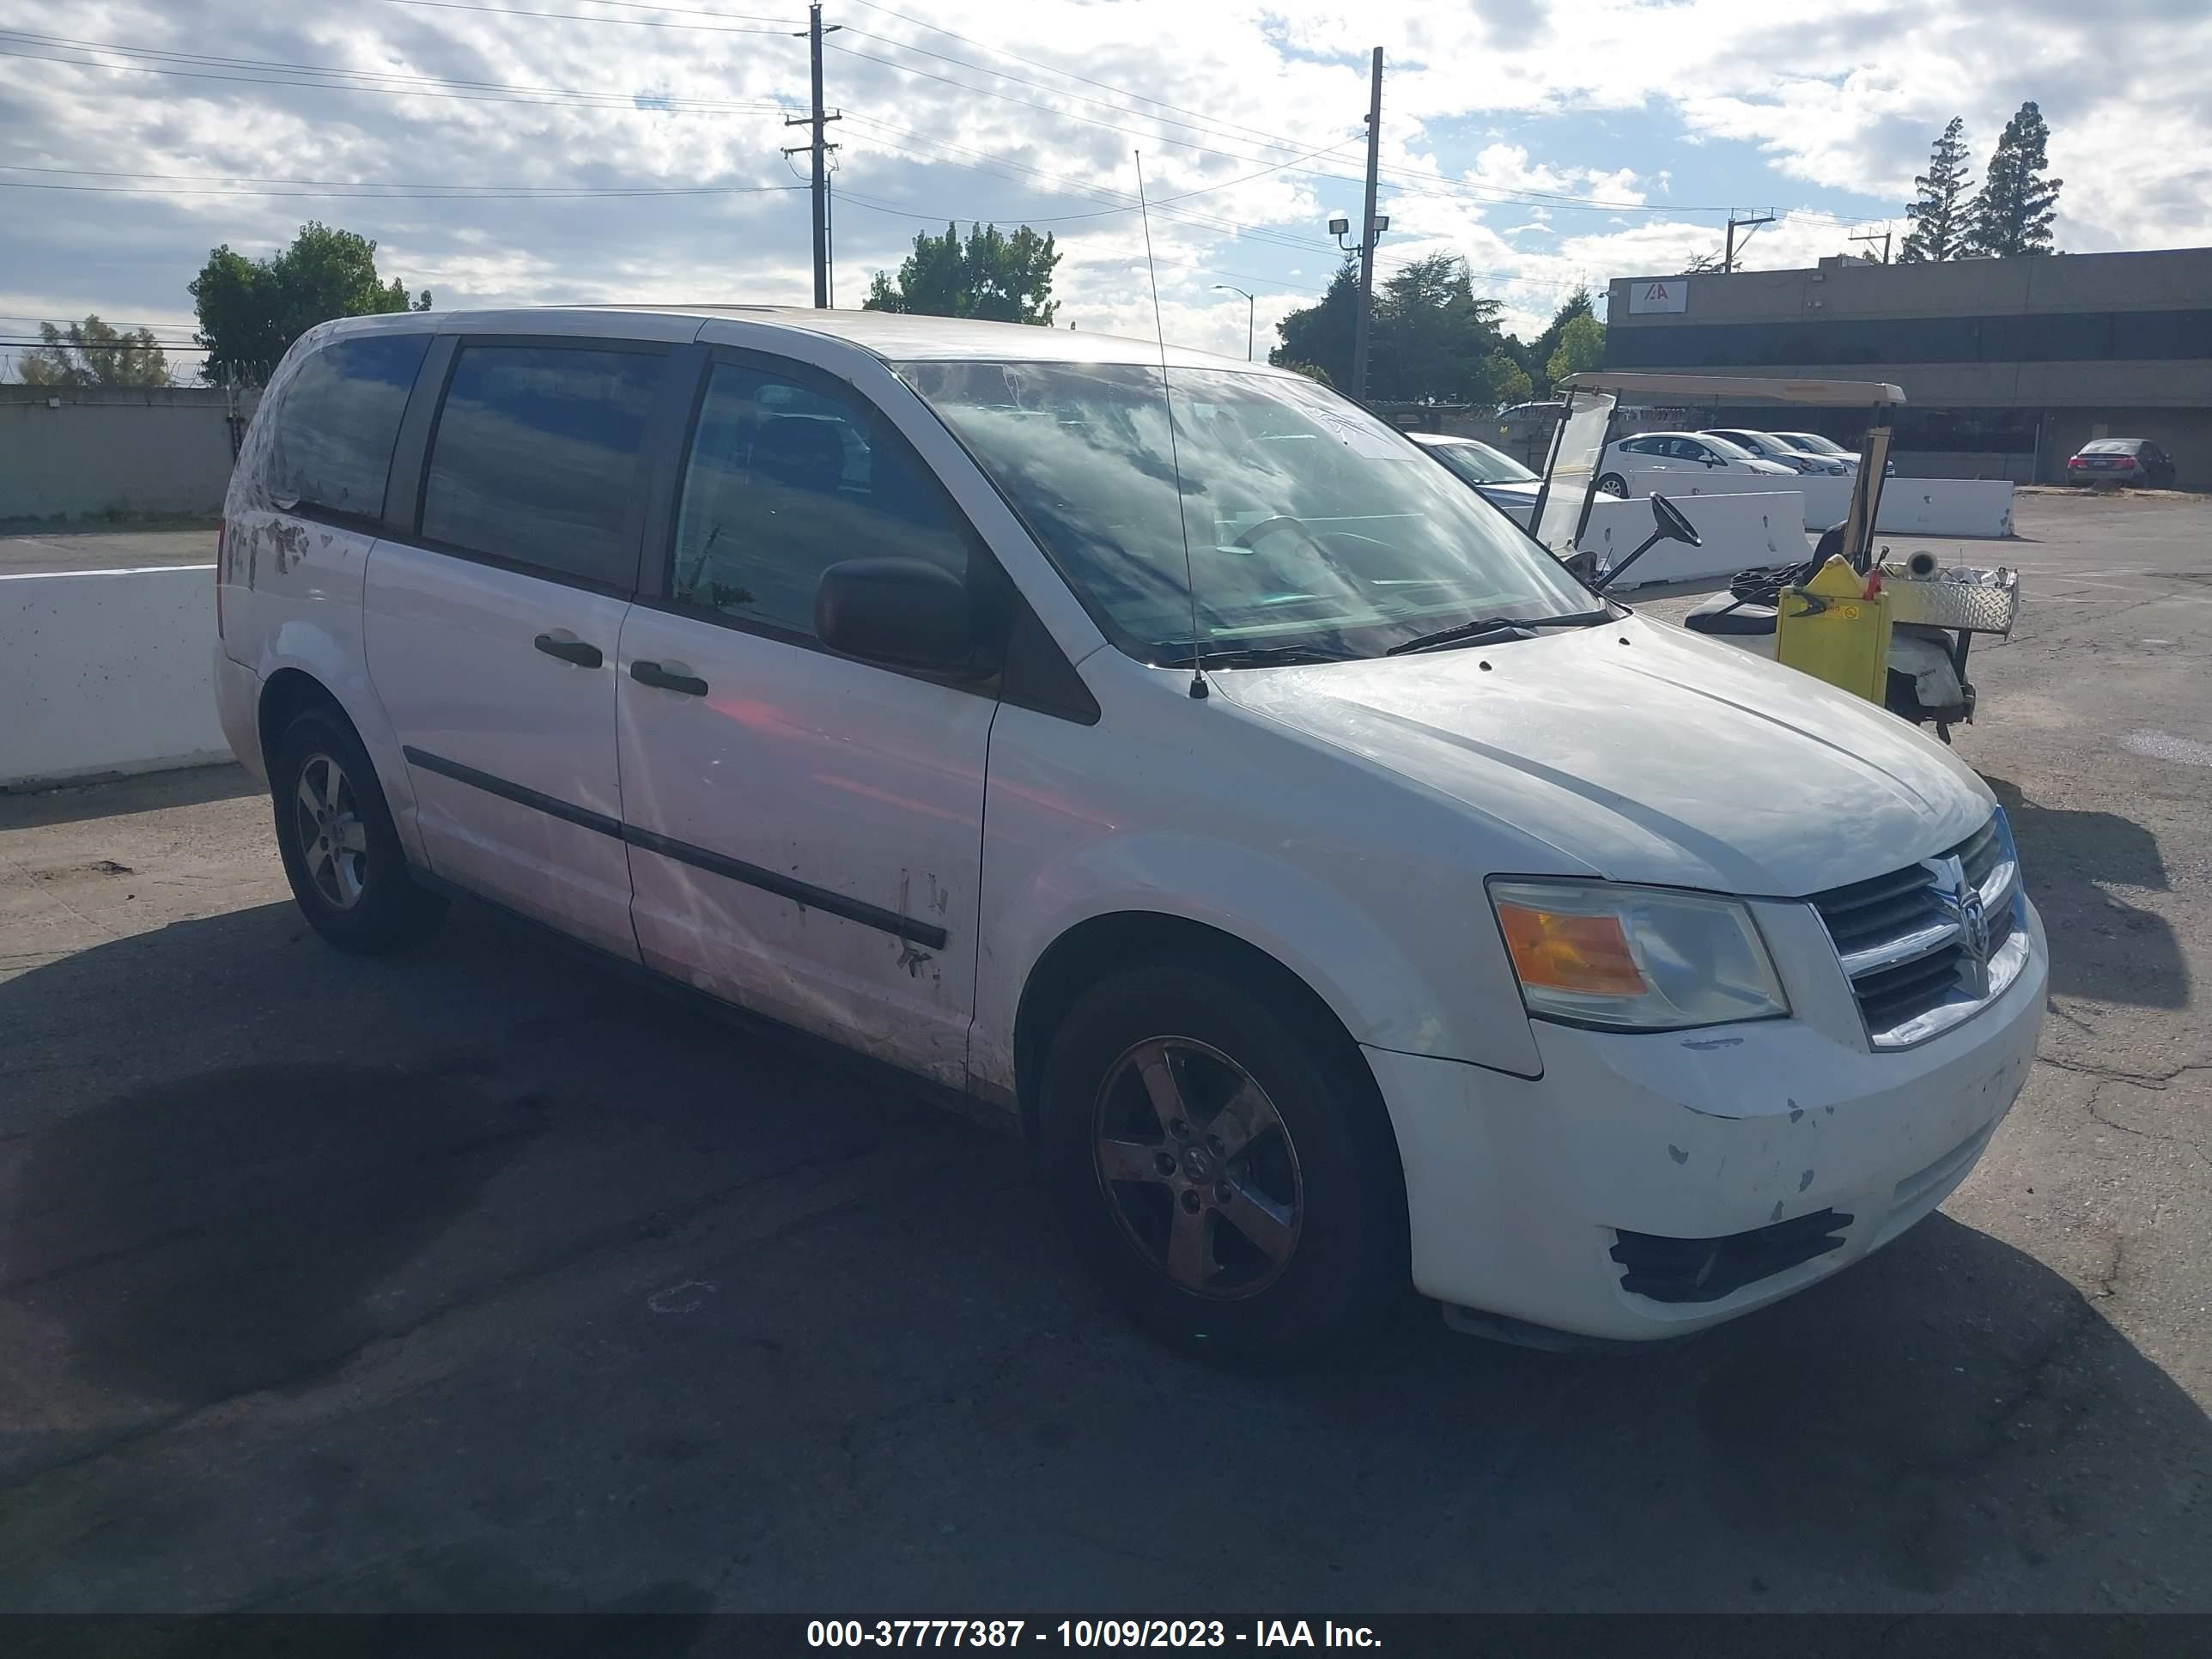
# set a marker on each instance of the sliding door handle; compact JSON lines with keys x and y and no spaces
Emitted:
{"x":567,"y":646}
{"x":652,"y":674}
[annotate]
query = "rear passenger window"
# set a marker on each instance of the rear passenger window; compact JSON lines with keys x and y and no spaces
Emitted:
{"x":785,"y":481}
{"x":337,"y":421}
{"x":535,"y":461}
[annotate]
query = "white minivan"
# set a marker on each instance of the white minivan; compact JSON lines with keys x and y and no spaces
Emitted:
{"x":1340,"y":897}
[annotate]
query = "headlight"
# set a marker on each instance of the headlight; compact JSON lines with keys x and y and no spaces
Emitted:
{"x":1635,"y":958}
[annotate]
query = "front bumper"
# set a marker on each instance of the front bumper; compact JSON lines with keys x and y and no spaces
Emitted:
{"x":1520,"y":1191}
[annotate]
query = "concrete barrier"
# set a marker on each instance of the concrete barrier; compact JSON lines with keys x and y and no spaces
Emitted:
{"x":1736,"y":531}
{"x":107,"y":670}
{"x":1975,"y":507}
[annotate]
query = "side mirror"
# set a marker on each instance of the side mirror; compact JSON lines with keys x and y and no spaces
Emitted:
{"x":1668,"y":523}
{"x":903,"y":612}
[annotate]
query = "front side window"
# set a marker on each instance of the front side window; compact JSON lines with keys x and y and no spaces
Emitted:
{"x":337,"y":421}
{"x":786,"y":480}
{"x":535,"y":460}
{"x":1311,"y":526}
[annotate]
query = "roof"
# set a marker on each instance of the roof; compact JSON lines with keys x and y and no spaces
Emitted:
{"x":1738,"y":388}
{"x":891,"y":336}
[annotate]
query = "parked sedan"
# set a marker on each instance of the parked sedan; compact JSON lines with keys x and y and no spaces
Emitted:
{"x":1772,"y":447}
{"x":1813,"y":443}
{"x":1697,"y":453}
{"x":2114,"y":461}
{"x":1495,"y":476}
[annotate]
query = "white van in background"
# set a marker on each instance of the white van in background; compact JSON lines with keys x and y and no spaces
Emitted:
{"x":1340,"y":897}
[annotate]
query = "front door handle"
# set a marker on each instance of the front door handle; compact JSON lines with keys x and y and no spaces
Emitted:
{"x":569,"y":648}
{"x":652,"y":674}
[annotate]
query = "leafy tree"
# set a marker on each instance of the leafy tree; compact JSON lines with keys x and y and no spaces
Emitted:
{"x":1582,"y":346}
{"x":992,"y":275}
{"x":1509,"y":381}
{"x":1432,"y":337}
{"x":91,"y":352}
{"x":252,"y":310}
{"x":1698,"y":261}
{"x":2017,"y":203}
{"x":1318,"y":337}
{"x":1942,"y":213}
{"x":1535,"y":357}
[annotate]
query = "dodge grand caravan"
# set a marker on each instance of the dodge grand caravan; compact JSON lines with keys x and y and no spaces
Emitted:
{"x":1339,"y":896}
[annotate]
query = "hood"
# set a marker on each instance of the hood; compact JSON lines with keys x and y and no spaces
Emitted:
{"x":1773,"y":466}
{"x":1666,"y":759}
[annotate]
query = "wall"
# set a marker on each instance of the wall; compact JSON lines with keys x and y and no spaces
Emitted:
{"x":1734,"y":533}
{"x":1910,"y":507}
{"x":108,"y":671}
{"x":112,"y":450}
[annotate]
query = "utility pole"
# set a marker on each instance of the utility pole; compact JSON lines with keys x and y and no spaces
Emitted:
{"x":814,"y":34}
{"x":1728,"y":259}
{"x":1869,"y":237}
{"x":1367,"y":235}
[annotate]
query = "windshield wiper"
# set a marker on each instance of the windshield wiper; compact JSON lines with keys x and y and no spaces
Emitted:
{"x":1262,"y":656}
{"x":1484,"y":629}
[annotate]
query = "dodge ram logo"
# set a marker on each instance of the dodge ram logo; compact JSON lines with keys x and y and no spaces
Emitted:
{"x":1961,"y":901}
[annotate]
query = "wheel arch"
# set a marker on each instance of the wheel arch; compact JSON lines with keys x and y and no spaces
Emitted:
{"x":1100,"y":945}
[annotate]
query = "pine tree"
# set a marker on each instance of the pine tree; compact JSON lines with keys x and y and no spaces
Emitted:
{"x":1943,"y":212}
{"x":2017,"y":203}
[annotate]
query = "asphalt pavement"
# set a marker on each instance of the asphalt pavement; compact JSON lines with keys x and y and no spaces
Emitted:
{"x":133,"y":544}
{"x":483,"y":1279}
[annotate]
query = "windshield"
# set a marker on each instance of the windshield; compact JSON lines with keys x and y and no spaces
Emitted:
{"x":1312,"y":526}
{"x":1725,"y":450}
{"x":1479,"y":463}
{"x":1813,"y":443}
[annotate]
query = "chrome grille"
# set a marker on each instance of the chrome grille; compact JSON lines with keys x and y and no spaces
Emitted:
{"x":1927,"y":946}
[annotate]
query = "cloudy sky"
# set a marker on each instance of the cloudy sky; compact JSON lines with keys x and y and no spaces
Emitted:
{"x":542,"y":151}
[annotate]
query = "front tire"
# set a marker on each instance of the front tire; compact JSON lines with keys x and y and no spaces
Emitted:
{"x":1225,"y":1171}
{"x":334,"y":832}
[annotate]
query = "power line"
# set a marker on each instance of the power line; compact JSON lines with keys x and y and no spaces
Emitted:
{"x":412,"y":85}
{"x":380,"y":193}
{"x":579,"y":17}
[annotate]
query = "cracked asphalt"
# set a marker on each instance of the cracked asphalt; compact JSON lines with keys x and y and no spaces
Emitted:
{"x":483,"y":1279}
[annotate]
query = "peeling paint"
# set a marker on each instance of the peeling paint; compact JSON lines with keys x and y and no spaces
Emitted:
{"x":1795,"y":1112}
{"x":911,"y":957}
{"x":1712,"y":1042}
{"x":1776,"y":1216}
{"x":1677,"y":1153}
{"x":1804,"y":1181}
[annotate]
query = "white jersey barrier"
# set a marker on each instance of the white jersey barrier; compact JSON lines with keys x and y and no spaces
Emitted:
{"x":108,"y":671}
{"x":1736,"y":532}
{"x":1910,"y":507}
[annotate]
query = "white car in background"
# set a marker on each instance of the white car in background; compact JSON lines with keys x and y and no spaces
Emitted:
{"x":1697,"y":453}
{"x":1496,"y":476}
{"x":1772,"y":447}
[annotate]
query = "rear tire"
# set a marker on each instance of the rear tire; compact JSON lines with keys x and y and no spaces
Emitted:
{"x":1614,"y":484}
{"x":341,"y":853}
{"x":1226,"y":1171}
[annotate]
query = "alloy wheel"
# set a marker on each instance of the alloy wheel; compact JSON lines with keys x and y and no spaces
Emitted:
{"x":334,"y":841}
{"x":1198,"y":1168}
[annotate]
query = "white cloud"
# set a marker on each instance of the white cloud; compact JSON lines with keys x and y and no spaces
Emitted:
{"x":1836,"y":106}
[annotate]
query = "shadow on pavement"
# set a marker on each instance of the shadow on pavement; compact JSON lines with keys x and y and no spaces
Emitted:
{"x":2112,"y":951}
{"x":905,"y":1398}
{"x":112,"y":798}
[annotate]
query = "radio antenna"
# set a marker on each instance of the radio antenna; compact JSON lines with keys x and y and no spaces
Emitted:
{"x":1175,"y":458}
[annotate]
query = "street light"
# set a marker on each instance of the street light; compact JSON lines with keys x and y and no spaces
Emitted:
{"x":1250,"y":304}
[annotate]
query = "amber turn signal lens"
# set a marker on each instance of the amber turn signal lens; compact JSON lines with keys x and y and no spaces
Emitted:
{"x":1563,"y":952}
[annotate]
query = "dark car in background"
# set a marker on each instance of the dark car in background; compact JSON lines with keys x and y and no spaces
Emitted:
{"x":2116,"y":461}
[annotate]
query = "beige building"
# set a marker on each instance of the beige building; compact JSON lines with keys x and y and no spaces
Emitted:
{"x":2011,"y":365}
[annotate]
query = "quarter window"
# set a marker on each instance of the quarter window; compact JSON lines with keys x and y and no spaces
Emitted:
{"x":786,"y":480}
{"x":535,"y":461}
{"x":337,"y":421}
